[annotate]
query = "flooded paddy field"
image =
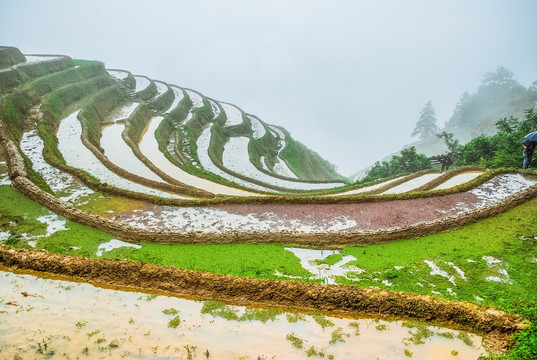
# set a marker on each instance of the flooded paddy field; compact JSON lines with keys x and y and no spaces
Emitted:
{"x":77,"y":155}
{"x":149,"y":147}
{"x":118,"y":152}
{"x":62,"y":319}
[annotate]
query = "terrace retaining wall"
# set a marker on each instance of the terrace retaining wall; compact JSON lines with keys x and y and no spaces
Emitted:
{"x":337,"y":300}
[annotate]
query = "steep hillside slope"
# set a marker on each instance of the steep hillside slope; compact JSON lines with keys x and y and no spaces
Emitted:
{"x":120,"y":180}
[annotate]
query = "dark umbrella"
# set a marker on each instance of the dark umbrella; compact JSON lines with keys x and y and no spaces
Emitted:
{"x":531,"y":136}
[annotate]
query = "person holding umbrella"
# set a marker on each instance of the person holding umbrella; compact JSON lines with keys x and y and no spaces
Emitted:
{"x":528,"y":144}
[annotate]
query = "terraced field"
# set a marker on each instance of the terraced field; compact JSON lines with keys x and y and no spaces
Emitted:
{"x":140,"y":184}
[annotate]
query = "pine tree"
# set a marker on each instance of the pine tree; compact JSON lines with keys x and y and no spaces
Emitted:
{"x":426,"y":126}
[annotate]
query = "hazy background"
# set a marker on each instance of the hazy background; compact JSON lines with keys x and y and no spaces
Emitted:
{"x":346,"y":78}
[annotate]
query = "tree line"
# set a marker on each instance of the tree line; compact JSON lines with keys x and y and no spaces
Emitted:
{"x":498,"y":95}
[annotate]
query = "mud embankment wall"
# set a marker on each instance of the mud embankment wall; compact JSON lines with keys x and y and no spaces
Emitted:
{"x":339,"y":300}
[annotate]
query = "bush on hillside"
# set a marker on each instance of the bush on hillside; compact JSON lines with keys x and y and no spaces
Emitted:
{"x":408,"y":162}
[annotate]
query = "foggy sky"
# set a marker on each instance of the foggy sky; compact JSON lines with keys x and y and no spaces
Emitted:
{"x":346,"y":78}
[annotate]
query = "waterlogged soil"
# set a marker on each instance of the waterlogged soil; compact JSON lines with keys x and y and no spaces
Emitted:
{"x":412,"y":184}
{"x":321,"y":218}
{"x":459,"y":179}
{"x":149,"y":147}
{"x":203,"y":154}
{"x":77,"y":155}
{"x":118,"y":152}
{"x":104,"y":323}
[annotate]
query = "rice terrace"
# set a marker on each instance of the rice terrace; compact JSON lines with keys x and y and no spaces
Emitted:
{"x":141,"y":219}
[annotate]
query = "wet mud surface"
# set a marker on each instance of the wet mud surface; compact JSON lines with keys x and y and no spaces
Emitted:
{"x":367,"y":216}
{"x":337,"y":300}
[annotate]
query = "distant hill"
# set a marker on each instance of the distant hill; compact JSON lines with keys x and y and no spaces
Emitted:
{"x":498,"y":97}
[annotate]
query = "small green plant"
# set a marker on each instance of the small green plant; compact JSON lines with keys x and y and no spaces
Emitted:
{"x":465,"y":338}
{"x":322,"y":320}
{"x":422,"y":332}
{"x":337,"y":336}
{"x":150,"y":297}
{"x":81,"y":324}
{"x":12,"y":241}
{"x":262,"y":315}
{"x":85,"y":351}
{"x":408,"y":353}
{"x":295,"y":341}
{"x":295,"y":317}
{"x":454,"y":352}
{"x":100,"y":341}
{"x":314,"y":352}
{"x":174,"y":323}
{"x":311,"y":352}
{"x":190,"y":351}
{"x":356,"y":327}
{"x":170,"y":311}
{"x":93,"y":333}
{"x":329,"y":260}
{"x":44,"y":349}
{"x":381,"y":327}
{"x":392,"y":274}
{"x":206,"y":353}
{"x":446,"y":334}
{"x":219,"y":309}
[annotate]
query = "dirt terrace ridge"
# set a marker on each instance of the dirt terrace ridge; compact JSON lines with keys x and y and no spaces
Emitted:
{"x":338,"y":300}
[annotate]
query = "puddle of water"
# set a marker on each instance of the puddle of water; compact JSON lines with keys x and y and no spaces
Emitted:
{"x":118,"y":152}
{"x":125,"y":112}
{"x":412,"y":184}
{"x":215,"y":108}
{"x":114,"y":244}
{"x":121,"y":75}
{"x":149,"y":147}
{"x":54,"y":223}
{"x":501,"y":187}
{"x":280,"y":167}
{"x":233,"y":114}
{"x":311,"y":260}
{"x":102,"y":323}
{"x":212,"y":220}
{"x":141,"y":83}
{"x":237,"y":159}
{"x":367,"y":188}
{"x":178,"y":97}
{"x":4,"y":176}
{"x":77,"y":155}
{"x":64,"y":185}
{"x":458,"y":180}
{"x":206,"y":162}
{"x":161,"y":88}
{"x":197,"y":102}
{"x":258,"y":130}
{"x":39,"y":58}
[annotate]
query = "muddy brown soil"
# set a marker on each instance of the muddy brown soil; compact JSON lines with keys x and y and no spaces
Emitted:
{"x":368,"y":216}
{"x":339,"y":300}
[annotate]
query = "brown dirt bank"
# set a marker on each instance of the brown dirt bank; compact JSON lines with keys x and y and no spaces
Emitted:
{"x":339,"y":300}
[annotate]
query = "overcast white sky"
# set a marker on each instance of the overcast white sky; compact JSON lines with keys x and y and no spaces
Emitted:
{"x":346,"y":78}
